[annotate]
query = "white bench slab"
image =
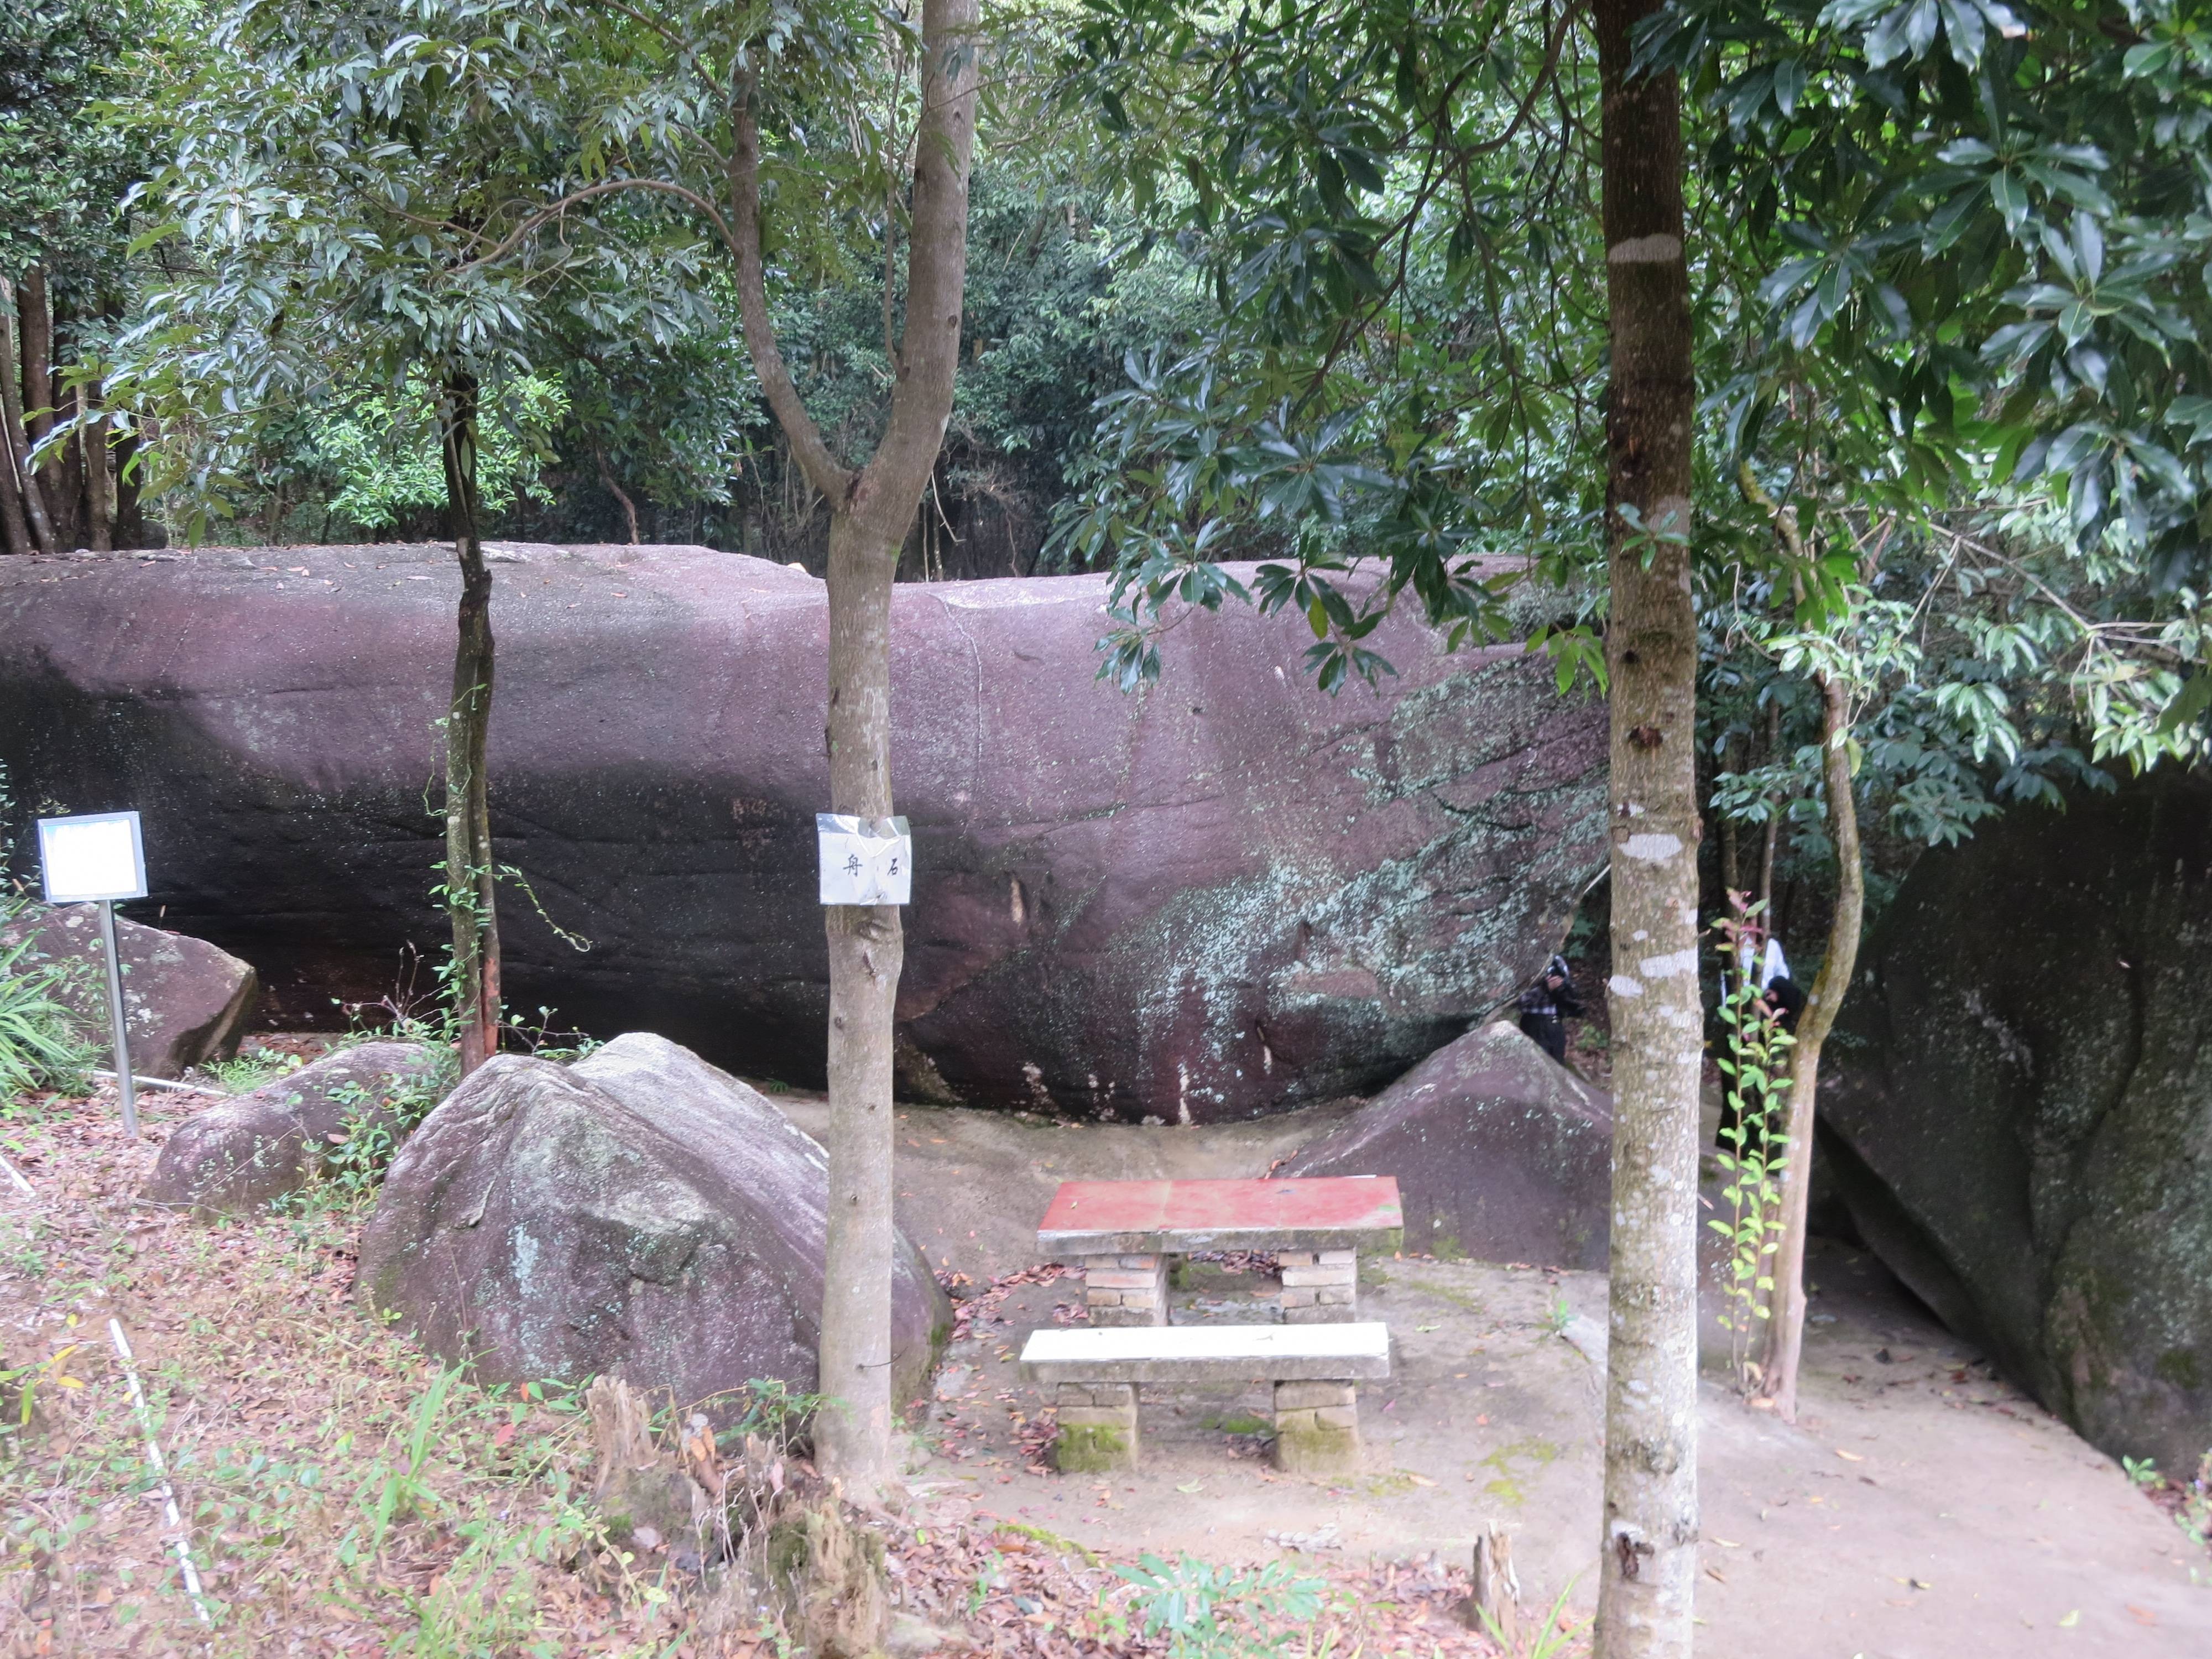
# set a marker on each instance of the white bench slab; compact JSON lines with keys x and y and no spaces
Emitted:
{"x":1209,"y":1353}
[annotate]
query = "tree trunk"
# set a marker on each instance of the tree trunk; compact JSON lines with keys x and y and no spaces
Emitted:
{"x":867,"y":949}
{"x":470,"y":899}
{"x":1773,"y":833}
{"x":38,"y":533}
{"x":1649,"y":1549}
{"x":607,"y":477}
{"x":869,"y":514}
{"x":37,"y":331}
{"x":92,"y":438}
{"x":130,"y":515}
{"x":1822,"y":1003}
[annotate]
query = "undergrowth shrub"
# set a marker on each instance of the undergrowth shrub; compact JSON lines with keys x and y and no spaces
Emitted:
{"x":41,"y":1044}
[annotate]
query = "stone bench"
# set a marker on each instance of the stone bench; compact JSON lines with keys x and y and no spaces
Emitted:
{"x":1094,"y":1375}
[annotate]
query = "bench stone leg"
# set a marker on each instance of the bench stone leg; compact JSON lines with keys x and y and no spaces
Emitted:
{"x":1126,"y":1290}
{"x":1316,"y":1428}
{"x":1320,"y":1287}
{"x":1098,"y":1427}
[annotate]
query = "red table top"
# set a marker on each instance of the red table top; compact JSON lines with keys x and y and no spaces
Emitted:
{"x":1283,"y":1213}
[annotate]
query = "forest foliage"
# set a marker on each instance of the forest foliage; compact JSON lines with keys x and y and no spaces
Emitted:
{"x":1316,"y":284}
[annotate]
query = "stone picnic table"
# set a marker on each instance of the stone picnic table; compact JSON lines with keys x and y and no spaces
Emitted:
{"x":1122,"y":1233}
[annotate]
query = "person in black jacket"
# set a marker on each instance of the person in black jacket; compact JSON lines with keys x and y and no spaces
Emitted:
{"x":1546,"y":1005}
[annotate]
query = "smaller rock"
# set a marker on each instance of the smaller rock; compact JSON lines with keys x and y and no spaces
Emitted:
{"x":240,"y":1155}
{"x":954,"y":1381}
{"x":1500,"y":1153}
{"x":185,"y":1001}
{"x":910,"y":1637}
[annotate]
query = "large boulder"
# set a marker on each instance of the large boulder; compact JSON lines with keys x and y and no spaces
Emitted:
{"x":1226,"y":892}
{"x":638,"y":1214}
{"x":2018,"y":1105}
{"x":1499,"y":1152}
{"x":185,"y":1000}
{"x":241,"y":1154}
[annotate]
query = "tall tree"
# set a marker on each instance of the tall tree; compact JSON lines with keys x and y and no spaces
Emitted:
{"x":1648,"y":1562}
{"x":747,"y":84}
{"x":1370,"y":160}
{"x":330,"y":172}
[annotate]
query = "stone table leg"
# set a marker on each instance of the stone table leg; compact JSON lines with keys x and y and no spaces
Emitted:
{"x":1126,"y":1290}
{"x":1316,"y":1428}
{"x":1098,"y":1427}
{"x":1320,"y":1287}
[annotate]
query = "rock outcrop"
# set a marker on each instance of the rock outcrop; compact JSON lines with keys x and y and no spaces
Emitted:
{"x":184,"y":1000}
{"x":1499,"y":1152}
{"x":638,"y":1214}
{"x":1224,"y":893}
{"x":239,"y":1155}
{"x":2018,"y":1106}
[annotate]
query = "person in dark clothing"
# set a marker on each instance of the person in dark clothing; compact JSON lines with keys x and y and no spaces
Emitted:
{"x":1546,"y":1005}
{"x":1787,"y":998}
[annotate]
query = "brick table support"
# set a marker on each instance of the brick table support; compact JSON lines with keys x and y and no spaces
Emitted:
{"x":1126,"y":1290}
{"x":1320,"y":1287}
{"x":1098,"y":1427}
{"x":1317,"y":1427}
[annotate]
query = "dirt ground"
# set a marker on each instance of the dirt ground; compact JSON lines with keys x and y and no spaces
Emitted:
{"x":1921,"y":1508}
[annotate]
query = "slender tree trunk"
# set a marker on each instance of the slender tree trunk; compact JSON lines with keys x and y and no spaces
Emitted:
{"x":866,"y":950}
{"x":92,"y":437}
{"x":13,"y":436}
{"x":607,"y":477}
{"x":1822,"y":1003}
{"x":1649,"y":1550}
{"x":33,"y":306}
{"x":1731,"y":837}
{"x":469,"y":895}
{"x":130,"y":516}
{"x":869,"y":514}
{"x":1773,"y":831}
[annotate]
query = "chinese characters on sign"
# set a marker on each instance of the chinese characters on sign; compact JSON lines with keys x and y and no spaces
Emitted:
{"x":864,"y":860}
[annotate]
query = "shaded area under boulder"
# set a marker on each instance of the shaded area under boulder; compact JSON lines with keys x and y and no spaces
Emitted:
{"x":2018,"y":1108}
{"x":638,"y":1214}
{"x":239,"y":1155}
{"x":185,"y":1001}
{"x":1500,"y":1153}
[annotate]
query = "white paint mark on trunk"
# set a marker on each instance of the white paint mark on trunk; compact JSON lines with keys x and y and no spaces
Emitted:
{"x":1645,"y":250}
{"x":1652,"y":847}
{"x":1671,"y":966}
{"x":1623,"y":986}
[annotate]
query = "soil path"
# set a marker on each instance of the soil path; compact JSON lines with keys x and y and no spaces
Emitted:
{"x":1922,"y":1508}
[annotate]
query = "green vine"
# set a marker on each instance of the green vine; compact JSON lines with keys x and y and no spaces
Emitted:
{"x":1755,"y":1068}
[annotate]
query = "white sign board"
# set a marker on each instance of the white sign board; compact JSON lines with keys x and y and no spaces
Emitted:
{"x":864,"y":860}
{"x":93,"y":857}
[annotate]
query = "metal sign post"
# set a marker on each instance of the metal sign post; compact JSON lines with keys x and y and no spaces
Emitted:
{"x":97,"y":859}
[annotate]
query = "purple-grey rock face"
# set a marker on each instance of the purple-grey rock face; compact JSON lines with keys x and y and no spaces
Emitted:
{"x":1226,"y":892}
{"x":638,"y":1214}
{"x":2017,"y":1105}
{"x":1499,"y":1152}
{"x":184,"y":1000}
{"x":237,"y":1155}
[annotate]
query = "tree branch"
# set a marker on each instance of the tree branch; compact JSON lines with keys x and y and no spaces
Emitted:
{"x":937,"y":268}
{"x":822,"y":469}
